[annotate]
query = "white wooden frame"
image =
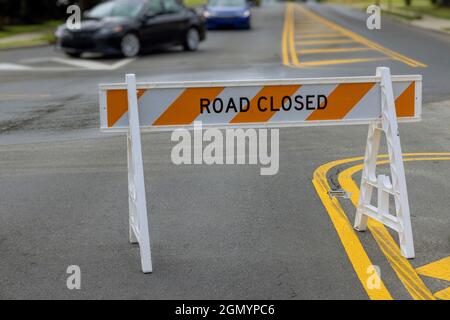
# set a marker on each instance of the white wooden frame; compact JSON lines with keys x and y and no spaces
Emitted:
{"x":400,"y":222}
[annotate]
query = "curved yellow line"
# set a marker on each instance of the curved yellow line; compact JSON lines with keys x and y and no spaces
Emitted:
{"x":353,"y":247}
{"x":355,"y":251}
{"x":405,"y":272}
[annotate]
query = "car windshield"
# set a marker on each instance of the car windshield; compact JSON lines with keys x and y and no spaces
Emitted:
{"x":122,"y":8}
{"x":227,"y":3}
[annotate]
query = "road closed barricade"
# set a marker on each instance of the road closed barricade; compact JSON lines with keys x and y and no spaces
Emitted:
{"x":379,"y":101}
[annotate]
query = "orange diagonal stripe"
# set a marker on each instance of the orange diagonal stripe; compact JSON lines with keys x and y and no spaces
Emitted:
{"x":117,"y":104}
{"x":254,"y":114}
{"x":186,"y":107}
{"x":404,"y":104}
{"x":341,"y":101}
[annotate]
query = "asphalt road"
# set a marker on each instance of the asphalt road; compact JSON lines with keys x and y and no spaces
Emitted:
{"x":218,"y":232}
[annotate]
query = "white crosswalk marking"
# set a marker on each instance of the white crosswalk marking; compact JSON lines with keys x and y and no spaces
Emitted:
{"x":68,"y":64}
{"x":14,"y":67}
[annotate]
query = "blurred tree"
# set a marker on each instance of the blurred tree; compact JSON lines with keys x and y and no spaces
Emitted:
{"x":32,"y":11}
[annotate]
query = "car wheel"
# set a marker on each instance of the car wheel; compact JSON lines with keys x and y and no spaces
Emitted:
{"x":248,"y":25}
{"x":191,"y":40}
{"x":130,"y":45}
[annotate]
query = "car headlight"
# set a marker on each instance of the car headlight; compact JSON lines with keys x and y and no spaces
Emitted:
{"x":246,"y":13}
{"x":117,"y":29}
{"x":206,"y":14}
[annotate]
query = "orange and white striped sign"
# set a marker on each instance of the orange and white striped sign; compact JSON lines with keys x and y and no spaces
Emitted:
{"x":277,"y":103}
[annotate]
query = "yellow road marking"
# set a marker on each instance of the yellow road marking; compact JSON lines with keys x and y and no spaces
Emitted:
{"x":443,"y":294}
{"x":316,"y":31}
{"x":290,"y":55}
{"x":387,"y":244}
{"x":338,"y":61}
{"x":353,"y":247}
{"x":401,"y":266}
{"x":317,"y":35}
{"x":291,"y":36}
{"x":311,"y":42}
{"x":439,"y":269}
{"x":311,"y":23}
{"x":328,"y":50}
{"x":363,"y":40}
{"x":284,"y":38}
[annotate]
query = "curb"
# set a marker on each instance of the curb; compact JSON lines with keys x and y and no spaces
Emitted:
{"x":39,"y":45}
{"x":408,"y":22}
{"x":402,"y":20}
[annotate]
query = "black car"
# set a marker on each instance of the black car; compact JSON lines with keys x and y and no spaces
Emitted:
{"x":127,"y":26}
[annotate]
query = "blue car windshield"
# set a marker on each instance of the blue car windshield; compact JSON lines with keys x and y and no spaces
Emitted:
{"x":120,"y":8}
{"x":227,"y":3}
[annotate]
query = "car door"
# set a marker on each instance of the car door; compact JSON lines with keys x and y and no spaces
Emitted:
{"x":153,"y":24}
{"x":177,"y":20}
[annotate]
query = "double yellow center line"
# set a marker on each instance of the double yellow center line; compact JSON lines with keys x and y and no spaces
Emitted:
{"x":332,"y":34}
{"x":288,"y":42}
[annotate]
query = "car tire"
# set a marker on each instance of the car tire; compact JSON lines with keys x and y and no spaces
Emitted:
{"x":191,"y":40}
{"x":248,"y":26}
{"x":130,"y":45}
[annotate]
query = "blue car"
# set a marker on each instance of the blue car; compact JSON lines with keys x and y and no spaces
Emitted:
{"x":227,"y":13}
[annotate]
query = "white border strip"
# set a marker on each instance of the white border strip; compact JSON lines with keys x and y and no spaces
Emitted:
{"x":256,"y":82}
{"x":232,"y":83}
{"x":311,"y":123}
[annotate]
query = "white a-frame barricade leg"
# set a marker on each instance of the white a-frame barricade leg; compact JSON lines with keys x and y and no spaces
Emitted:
{"x":400,"y":222}
{"x":139,"y":232}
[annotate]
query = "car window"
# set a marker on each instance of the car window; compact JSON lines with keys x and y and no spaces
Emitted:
{"x":154,"y":7}
{"x":227,"y":3}
{"x":172,"y":6}
{"x":119,"y":8}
